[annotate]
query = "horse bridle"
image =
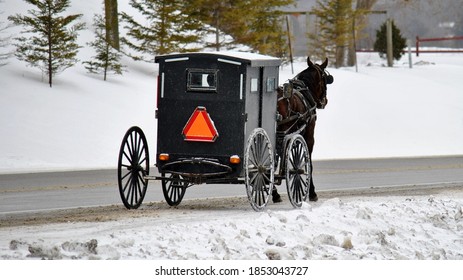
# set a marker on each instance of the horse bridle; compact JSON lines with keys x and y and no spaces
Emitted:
{"x":325,"y":79}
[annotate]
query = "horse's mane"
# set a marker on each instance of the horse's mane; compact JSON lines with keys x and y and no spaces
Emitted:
{"x":307,"y":78}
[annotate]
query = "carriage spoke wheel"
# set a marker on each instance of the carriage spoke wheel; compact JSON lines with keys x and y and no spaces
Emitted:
{"x":298,"y":170}
{"x":259,"y":169}
{"x":173,"y":189}
{"x":133,"y":166}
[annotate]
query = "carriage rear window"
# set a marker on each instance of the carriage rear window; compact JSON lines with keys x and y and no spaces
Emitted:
{"x":203,"y":80}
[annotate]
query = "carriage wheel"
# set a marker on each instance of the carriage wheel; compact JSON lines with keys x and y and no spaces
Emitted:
{"x":298,"y":170}
{"x":133,"y":166}
{"x":173,"y":189}
{"x":259,"y":169}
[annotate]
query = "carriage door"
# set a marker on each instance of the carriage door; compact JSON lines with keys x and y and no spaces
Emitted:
{"x":253,"y":99}
{"x":261,"y":100}
{"x":268,"y":100}
{"x":261,"y":95}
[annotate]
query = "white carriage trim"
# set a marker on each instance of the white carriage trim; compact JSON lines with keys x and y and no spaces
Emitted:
{"x":229,"y":61}
{"x":177,"y":59}
{"x":162,"y":85}
{"x":241,"y":86}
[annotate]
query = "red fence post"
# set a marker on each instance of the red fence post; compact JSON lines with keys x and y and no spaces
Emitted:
{"x":417,"y":46}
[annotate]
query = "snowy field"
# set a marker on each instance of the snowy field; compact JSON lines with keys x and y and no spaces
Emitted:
{"x":80,"y":122}
{"x":375,"y":112}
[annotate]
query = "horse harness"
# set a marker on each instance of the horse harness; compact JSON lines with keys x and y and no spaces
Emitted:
{"x":301,"y":91}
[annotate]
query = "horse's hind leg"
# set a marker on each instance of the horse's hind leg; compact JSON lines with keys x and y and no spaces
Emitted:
{"x":309,"y":138}
{"x":312,"y":194}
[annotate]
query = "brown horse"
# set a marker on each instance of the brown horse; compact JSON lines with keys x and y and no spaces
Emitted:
{"x":298,"y":111}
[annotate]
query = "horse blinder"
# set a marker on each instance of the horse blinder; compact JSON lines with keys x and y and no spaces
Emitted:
{"x":329,"y":79}
{"x":287,"y":90}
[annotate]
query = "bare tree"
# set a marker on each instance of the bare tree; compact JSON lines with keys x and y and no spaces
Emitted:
{"x":112,"y":23}
{"x":360,"y":16}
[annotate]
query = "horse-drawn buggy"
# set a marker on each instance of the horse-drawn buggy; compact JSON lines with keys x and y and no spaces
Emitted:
{"x":218,"y":122}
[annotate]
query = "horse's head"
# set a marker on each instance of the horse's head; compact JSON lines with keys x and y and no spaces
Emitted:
{"x":316,"y":78}
{"x":292,"y":106}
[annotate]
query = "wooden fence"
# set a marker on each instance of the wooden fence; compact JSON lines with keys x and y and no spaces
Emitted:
{"x":419,"y":40}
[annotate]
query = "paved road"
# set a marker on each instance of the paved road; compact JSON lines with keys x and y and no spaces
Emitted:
{"x":61,"y":190}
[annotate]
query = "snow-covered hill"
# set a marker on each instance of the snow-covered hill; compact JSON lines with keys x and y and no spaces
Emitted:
{"x":79,"y":123}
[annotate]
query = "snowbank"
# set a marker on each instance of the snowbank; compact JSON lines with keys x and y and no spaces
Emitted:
{"x":350,"y":228}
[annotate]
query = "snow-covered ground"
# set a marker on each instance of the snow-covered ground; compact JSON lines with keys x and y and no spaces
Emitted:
{"x":375,"y":112}
{"x":400,"y":227}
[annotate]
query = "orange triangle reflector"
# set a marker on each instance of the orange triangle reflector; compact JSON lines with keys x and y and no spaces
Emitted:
{"x":200,"y":127}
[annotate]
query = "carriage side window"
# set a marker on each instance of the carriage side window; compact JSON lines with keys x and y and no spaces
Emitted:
{"x":203,"y":80}
{"x":254,"y":84}
{"x":271,"y":84}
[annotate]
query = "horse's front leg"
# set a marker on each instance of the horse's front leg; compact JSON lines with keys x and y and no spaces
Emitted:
{"x":310,"y":139}
{"x":312,"y":194}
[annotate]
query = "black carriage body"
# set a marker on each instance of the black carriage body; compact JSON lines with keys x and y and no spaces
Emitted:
{"x":208,"y":105}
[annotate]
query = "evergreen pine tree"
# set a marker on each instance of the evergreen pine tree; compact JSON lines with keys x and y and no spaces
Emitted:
{"x":4,"y":42}
{"x":167,"y":28}
{"x":265,"y":32}
{"x":52,"y":45}
{"x":334,"y":24}
{"x":398,"y":42}
{"x":107,"y":58}
{"x":214,"y":16}
{"x":255,"y":23}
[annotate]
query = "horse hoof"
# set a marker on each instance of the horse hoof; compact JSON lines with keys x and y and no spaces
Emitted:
{"x":276,"y":198}
{"x":313,"y":198}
